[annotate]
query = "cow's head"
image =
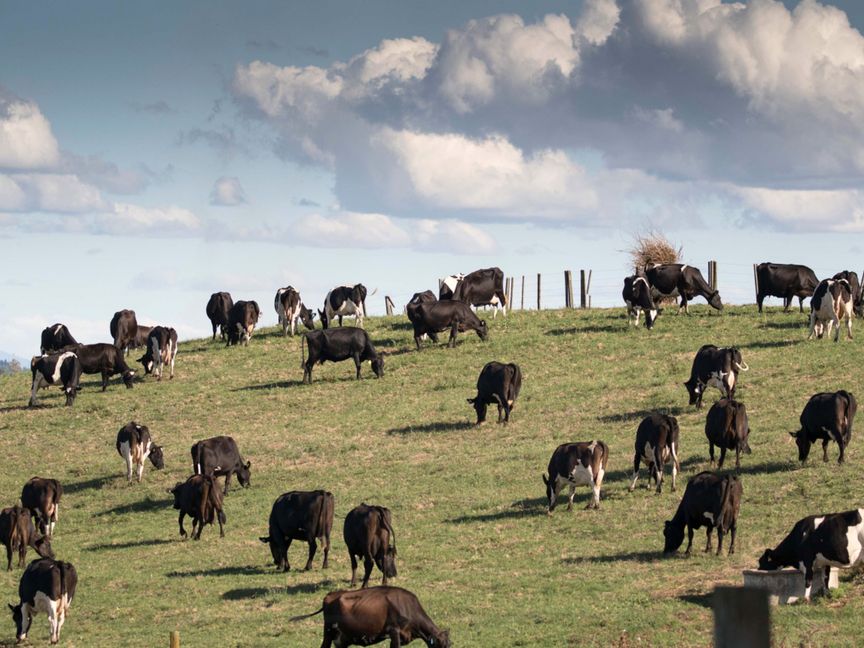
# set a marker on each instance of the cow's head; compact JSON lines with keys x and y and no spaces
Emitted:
{"x":440,"y":639}
{"x":378,"y":366}
{"x":278,"y":551}
{"x":244,"y":474}
{"x":694,"y":388}
{"x":738,"y":363}
{"x":22,"y":621}
{"x":714,"y":300}
{"x":43,"y":547}
{"x":307,"y":317}
{"x":358,"y":294}
{"x":128,"y":379}
{"x":156,"y":457}
{"x":673,"y":535}
{"x":147,"y":361}
{"x":803,"y":442}
{"x":323,"y":317}
{"x":483,"y":330}
{"x":651,"y":317}
{"x":768,"y":561}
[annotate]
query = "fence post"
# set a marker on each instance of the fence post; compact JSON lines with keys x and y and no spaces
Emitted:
{"x":714,"y":274}
{"x":510,"y":291}
{"x":388,"y":305}
{"x":538,"y":291}
{"x":522,"y":307}
{"x":583,"y":292}
{"x":568,"y":289}
{"x":710,"y":275}
{"x":756,"y":282}
{"x":742,"y":617}
{"x":174,"y":638}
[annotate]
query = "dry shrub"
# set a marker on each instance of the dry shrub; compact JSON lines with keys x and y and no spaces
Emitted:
{"x":653,"y":247}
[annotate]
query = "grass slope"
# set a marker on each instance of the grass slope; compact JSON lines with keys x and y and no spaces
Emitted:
{"x":474,"y":540}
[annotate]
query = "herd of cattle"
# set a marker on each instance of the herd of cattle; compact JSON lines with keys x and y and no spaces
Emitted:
{"x":710,"y":500}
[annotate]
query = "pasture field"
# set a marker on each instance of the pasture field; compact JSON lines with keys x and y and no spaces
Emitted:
{"x":474,"y":541}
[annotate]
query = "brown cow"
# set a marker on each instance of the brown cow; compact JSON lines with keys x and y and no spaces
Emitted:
{"x":242,"y":319}
{"x":200,"y":498}
{"x":17,"y":533}
{"x":42,"y":498}
{"x":727,"y":427}
{"x":368,"y":532}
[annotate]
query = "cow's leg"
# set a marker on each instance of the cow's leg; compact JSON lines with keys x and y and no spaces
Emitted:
{"x":732,"y":531}
{"x":313,"y":546}
{"x":417,"y":340}
{"x":395,"y":638}
{"x":808,"y":577}
{"x":598,"y":482}
{"x":825,"y":443}
{"x":711,"y":452}
{"x":52,"y":620}
{"x":326,"y":543}
{"x":22,"y":554}
{"x":722,"y":457}
{"x":786,"y":302}
{"x":287,"y":566}
{"x":104,"y":379}
{"x":689,"y":539}
{"x":180,"y":520}
{"x":842,"y":445}
{"x":570,"y":497}
{"x":227,"y":479}
{"x":140,"y":470}
{"x":368,"y":563}
{"x":759,"y":300}
{"x":9,"y":556}
{"x":800,"y":304}
{"x":453,"y":330}
{"x":676,"y":467}
{"x":340,"y":320}
{"x":220,"y":516}
{"x":834,"y":322}
{"x":173,"y":358}
{"x":353,"y":568}
{"x":127,"y":457}
{"x":307,"y":371}
{"x":709,"y":530}
{"x":719,"y":539}
{"x":358,"y":364}
{"x":328,"y":638}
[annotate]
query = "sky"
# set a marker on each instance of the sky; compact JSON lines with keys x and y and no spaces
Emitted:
{"x":154,"y":153}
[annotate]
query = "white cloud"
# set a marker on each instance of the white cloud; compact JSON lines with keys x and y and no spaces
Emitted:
{"x":130,"y":219}
{"x":227,"y":192}
{"x":280,"y":90}
{"x":814,"y":210}
{"x":48,"y":192}
{"x":393,"y":60}
{"x":598,"y":20}
{"x":452,"y":236}
{"x":26,"y":140}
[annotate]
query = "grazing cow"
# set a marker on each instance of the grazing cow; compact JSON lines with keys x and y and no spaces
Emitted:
{"x":105,"y":359}
{"x":368,"y":533}
{"x":710,"y":500}
{"x":656,"y":442}
{"x":17,"y":533}
{"x":218,"y":307}
{"x":817,"y":543}
{"x":336,"y":345}
{"x":369,"y":616}
{"x":344,"y":301}
{"x":785,"y":280}
{"x":141,"y":336}
{"x":637,"y":296}
{"x":727,"y":427}
{"x":425,"y":297}
{"x":242,"y":319}
{"x":62,"y":368}
{"x":671,"y":278}
{"x":300,"y":515}
{"x":124,"y":327}
{"x":855,"y":288}
{"x":219,"y":456}
{"x":41,"y":496}
{"x":714,"y":367}
{"x":498,"y":384}
{"x":161,"y":350}
{"x":135,"y":445}
{"x":48,"y":586}
{"x":435,"y":317}
{"x":55,"y":337}
{"x":831,"y":302}
{"x":576,"y":464}
{"x":479,"y":288}
{"x":290,"y":309}
{"x":827,"y":416}
{"x":200,"y":498}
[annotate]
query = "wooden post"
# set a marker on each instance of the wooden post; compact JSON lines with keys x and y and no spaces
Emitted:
{"x":710,"y":276}
{"x":568,"y":289}
{"x":538,"y":291}
{"x":588,"y":287}
{"x":522,"y":307}
{"x":742,"y":617}
{"x":756,"y":282}
{"x":175,"y":639}
{"x":583,"y":290}
{"x":388,"y":305}
{"x":510,"y":291}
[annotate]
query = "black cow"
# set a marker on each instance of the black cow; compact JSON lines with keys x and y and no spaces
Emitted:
{"x":817,"y":543}
{"x":41,"y":496}
{"x":343,"y":301}
{"x":219,"y":456}
{"x":124,"y":327}
{"x":141,"y":336}
{"x":710,"y":500}
{"x":727,"y":427}
{"x":716,"y":367}
{"x":161,"y":350}
{"x":576,"y":464}
{"x":62,"y":368}
{"x":479,"y":288}
{"x":656,"y":443}
{"x":827,"y":416}
{"x":855,"y":287}
{"x":300,"y":515}
{"x":498,"y":384}
{"x":785,"y":280}
{"x":135,"y":445}
{"x":242,"y":319}
{"x":425,"y":297}
{"x":368,"y":616}
{"x":55,"y":337}
{"x":200,"y":498}
{"x":17,"y":533}
{"x":671,"y":278}
{"x":218,"y":307}
{"x":290,"y":308}
{"x":47,"y":585}
{"x":368,"y":533}
{"x":436,"y":317}
{"x":336,"y":345}
{"x":105,"y":359}
{"x":637,"y":296}
{"x":831,"y":302}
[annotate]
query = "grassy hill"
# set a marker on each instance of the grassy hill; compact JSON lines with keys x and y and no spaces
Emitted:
{"x":474,"y":539}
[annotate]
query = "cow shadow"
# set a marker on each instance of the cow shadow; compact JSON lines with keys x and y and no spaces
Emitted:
{"x":243,"y":593}
{"x":231,"y":570}
{"x":22,"y":408}
{"x":96,"y":482}
{"x":786,"y":325}
{"x":592,"y":328}
{"x":522,"y":508}
{"x":440,"y":426}
{"x":401,"y":326}
{"x":704,"y":599}
{"x":624,"y":417}
{"x":284,"y":384}
{"x":143,"y":506}
{"x":774,"y":344}
{"x":768,"y":468}
{"x":128,"y":545}
{"x":628,"y":556}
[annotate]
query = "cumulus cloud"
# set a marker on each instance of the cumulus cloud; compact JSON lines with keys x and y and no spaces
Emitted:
{"x":227,"y":192}
{"x":806,"y":210}
{"x":26,"y":140}
{"x":48,"y":192}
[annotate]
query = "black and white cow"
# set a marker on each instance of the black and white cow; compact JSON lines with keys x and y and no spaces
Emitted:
{"x":716,"y":367}
{"x":161,"y":350}
{"x":56,"y":337}
{"x":135,"y":445}
{"x":447,"y":285}
{"x":48,"y":586}
{"x":656,"y":443}
{"x":344,"y":301}
{"x":710,"y":500}
{"x":290,"y":309}
{"x":242,"y":319}
{"x":41,"y":496}
{"x":785,"y":280}
{"x":637,"y":296}
{"x":479,"y":288}
{"x":827,"y":416}
{"x":337,"y":345}
{"x":104,"y":359}
{"x":498,"y":384}
{"x":62,"y":369}
{"x":686,"y":281}
{"x":727,"y":427}
{"x":817,"y":543}
{"x":218,"y":307}
{"x":831,"y":302}
{"x":576,"y":464}
{"x":300,"y":515}
{"x":124,"y":327}
{"x":219,"y":456}
{"x":435,"y":317}
{"x":857,"y":290}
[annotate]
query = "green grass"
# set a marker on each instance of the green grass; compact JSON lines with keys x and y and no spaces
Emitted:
{"x":474,"y":540}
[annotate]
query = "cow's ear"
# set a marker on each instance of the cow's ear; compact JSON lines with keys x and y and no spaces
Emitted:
{"x":794,"y":435}
{"x":248,"y":464}
{"x":470,"y":400}
{"x":11,"y":607}
{"x":264,"y":539}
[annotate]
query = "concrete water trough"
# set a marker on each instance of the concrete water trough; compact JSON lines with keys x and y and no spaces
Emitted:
{"x":786,"y":585}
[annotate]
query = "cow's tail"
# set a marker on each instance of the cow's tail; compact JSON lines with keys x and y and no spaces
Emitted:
{"x":196,"y":460}
{"x":726,"y":514}
{"x":848,"y":414}
{"x":15,"y":533}
{"x":306,"y":616}
{"x":385,"y":520}
{"x":62,"y":567}
{"x":325,"y":517}
{"x":304,"y":342}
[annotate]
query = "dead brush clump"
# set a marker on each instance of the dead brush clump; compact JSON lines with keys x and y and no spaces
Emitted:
{"x":653,"y":247}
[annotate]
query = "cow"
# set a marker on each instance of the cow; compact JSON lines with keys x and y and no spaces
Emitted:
{"x":856,"y":288}
{"x":47,"y":585}
{"x":343,"y":301}
{"x":785,"y":280}
{"x":817,"y":543}
{"x":498,"y":384}
{"x":831,"y":302}
{"x":425,"y":297}
{"x":827,"y":416}
{"x":671,"y":278}
{"x":62,"y":368}
{"x":55,"y":337}
{"x":161,"y":350}
{"x":41,"y":496}
{"x":447,"y":285}
{"x":124,"y":327}
{"x":656,"y":443}
{"x":300,"y":515}
{"x":336,"y":345}
{"x":479,"y":288}
{"x":242,"y":319}
{"x":290,"y":309}
{"x":200,"y":498}
{"x":727,"y":427}
{"x":141,"y":336}
{"x":716,"y":367}
{"x":637,"y":296}
{"x":135,"y":445}
{"x":576,"y":464}
{"x":435,"y":317}
{"x":219,"y":456}
{"x":710,"y":500}
{"x":218,"y":307}
{"x":369,"y":616}
{"x":368,"y":533}
{"x":105,"y":359}
{"x":17,"y":533}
